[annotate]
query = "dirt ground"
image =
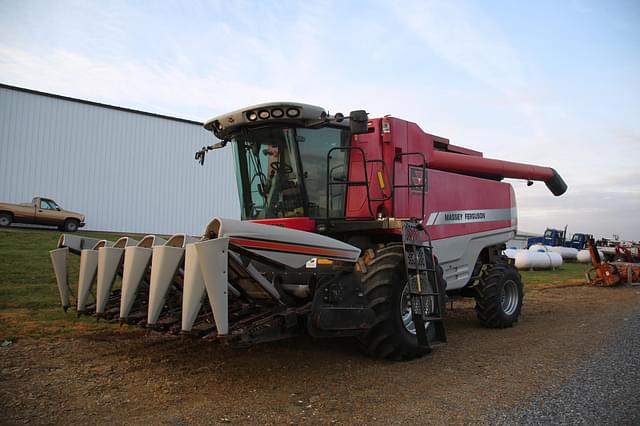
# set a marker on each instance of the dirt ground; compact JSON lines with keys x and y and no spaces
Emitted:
{"x":140,"y":378}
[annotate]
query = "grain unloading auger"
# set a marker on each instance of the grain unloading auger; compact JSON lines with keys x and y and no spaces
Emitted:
{"x":350,"y":226}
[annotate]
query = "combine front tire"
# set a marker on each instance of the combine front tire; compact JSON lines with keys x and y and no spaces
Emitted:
{"x":393,"y":333}
{"x":499,"y":296}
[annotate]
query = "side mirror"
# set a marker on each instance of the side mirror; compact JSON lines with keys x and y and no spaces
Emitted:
{"x":58,"y":208}
{"x":219,"y":145}
{"x":358,"y":121}
{"x":199,"y":157}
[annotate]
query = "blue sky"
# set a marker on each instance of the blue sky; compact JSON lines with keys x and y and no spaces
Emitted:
{"x":547,"y":82}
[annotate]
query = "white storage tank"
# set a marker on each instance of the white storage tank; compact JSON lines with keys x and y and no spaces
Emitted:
{"x":567,"y":253}
{"x":584,"y":256}
{"x":540,"y":248}
{"x":528,"y":259}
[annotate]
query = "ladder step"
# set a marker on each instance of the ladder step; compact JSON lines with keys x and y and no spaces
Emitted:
{"x":433,"y":318}
{"x":424,"y":294}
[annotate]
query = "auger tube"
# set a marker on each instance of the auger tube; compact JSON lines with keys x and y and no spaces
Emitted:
{"x":488,"y":167}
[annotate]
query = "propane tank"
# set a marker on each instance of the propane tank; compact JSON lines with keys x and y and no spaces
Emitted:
{"x":567,"y":253}
{"x":527,"y":259}
{"x":540,"y":248}
{"x":584,"y":256}
{"x":511,"y":253}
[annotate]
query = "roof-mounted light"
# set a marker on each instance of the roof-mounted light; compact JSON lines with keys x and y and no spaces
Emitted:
{"x":252,"y":116}
{"x":277,"y":112}
{"x":293,"y":112}
{"x":263,"y":114}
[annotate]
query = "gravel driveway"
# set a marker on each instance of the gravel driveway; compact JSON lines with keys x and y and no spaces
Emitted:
{"x":605,"y":390}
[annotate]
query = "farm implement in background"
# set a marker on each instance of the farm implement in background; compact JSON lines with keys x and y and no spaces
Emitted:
{"x":609,"y":274}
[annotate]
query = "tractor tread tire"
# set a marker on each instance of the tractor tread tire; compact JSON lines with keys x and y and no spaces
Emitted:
{"x":387,"y":338}
{"x":488,"y":296}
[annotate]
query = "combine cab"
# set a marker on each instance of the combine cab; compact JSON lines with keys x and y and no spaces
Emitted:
{"x":350,"y":227}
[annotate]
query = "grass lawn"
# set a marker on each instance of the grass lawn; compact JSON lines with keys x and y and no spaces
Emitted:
{"x":30,"y":304}
{"x":29,"y":299}
{"x":568,"y":273}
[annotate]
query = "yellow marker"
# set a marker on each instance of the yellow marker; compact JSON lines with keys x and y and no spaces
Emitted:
{"x":380,"y":179}
{"x":325,"y":262}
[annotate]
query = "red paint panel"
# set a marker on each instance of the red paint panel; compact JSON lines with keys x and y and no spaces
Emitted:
{"x":298,"y":223}
{"x":289,"y":248}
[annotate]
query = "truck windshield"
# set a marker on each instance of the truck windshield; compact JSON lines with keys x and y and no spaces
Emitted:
{"x":272,"y":181}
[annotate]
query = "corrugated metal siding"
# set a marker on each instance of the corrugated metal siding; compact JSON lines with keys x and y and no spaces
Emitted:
{"x":127,"y":172}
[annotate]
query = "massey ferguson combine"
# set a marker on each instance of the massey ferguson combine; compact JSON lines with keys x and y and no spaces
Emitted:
{"x":350,"y":226}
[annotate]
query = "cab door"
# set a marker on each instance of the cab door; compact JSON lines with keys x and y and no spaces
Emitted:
{"x":47,"y":213}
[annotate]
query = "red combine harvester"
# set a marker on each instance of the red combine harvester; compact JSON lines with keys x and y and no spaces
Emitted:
{"x":350,"y":227}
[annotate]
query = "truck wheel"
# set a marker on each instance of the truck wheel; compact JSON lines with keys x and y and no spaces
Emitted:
{"x":71,"y":225}
{"x":499,"y":296}
{"x":5,"y":219}
{"x":393,"y":334}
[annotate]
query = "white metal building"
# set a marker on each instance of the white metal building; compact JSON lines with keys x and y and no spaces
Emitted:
{"x":127,"y":170}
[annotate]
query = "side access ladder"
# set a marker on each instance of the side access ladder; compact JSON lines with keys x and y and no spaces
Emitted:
{"x":426,"y":289}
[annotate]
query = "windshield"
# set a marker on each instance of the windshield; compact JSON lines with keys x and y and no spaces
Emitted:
{"x":273,"y":183}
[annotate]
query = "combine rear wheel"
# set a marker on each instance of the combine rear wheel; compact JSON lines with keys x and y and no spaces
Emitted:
{"x":393,"y":334}
{"x":499,"y":296}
